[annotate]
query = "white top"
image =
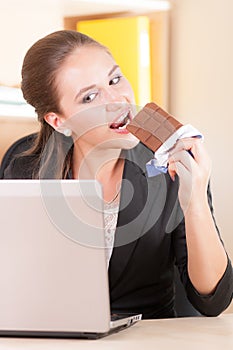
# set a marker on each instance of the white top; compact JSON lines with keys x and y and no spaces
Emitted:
{"x":110,"y":222}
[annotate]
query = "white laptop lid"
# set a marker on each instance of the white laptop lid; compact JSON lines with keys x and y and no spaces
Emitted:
{"x":53,"y":271}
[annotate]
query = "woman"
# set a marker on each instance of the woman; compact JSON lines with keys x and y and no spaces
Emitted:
{"x":83,"y":103}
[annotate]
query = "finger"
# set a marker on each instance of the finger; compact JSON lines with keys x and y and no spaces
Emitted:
{"x":184,"y":158}
{"x":199,"y":153}
{"x":172,"y":171}
{"x":189,"y":144}
{"x":181,"y":170}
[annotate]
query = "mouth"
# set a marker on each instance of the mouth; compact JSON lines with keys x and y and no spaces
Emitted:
{"x":121,"y":122}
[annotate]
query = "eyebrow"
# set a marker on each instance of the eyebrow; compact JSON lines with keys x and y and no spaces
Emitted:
{"x":84,"y":90}
{"x":94,"y":85}
{"x":113,"y":69}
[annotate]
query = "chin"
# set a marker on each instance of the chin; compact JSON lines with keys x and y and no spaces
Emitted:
{"x":128,"y":142}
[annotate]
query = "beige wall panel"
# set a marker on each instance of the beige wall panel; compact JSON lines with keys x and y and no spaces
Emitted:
{"x":201,"y":90}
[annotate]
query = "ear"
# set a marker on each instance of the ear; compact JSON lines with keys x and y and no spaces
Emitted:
{"x":54,"y":120}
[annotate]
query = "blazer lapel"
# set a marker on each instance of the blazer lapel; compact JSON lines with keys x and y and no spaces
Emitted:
{"x":137,"y":199}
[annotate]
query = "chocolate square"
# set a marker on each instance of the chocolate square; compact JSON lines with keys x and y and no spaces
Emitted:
{"x":153,"y":126}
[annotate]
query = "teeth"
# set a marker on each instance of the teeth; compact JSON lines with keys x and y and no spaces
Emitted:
{"x":121,"y":122}
{"x":124,"y":126}
{"x":121,"y":119}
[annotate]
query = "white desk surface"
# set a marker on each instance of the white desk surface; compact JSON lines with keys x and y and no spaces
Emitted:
{"x":195,"y":333}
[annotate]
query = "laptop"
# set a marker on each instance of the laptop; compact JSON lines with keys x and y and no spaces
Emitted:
{"x":53,"y":270}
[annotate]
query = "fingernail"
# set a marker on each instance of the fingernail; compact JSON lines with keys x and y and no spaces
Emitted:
{"x":172,"y":177}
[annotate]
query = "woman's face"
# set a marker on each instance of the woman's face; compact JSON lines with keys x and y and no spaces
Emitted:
{"x":96,"y":100}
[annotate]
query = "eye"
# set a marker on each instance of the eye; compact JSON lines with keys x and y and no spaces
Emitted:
{"x":115,"y":80}
{"x":89,"y":98}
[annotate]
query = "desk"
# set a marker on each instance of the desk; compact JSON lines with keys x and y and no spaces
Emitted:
{"x":195,"y":333}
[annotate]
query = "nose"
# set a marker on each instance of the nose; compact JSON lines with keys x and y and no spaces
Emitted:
{"x":114,"y":106}
{"x":113,"y":101}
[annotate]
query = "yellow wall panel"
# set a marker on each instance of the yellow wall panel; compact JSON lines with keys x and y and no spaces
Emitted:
{"x":159,"y":50}
{"x":128,"y":41}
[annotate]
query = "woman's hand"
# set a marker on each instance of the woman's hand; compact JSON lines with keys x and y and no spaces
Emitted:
{"x":193,"y":171}
{"x":207,"y":259}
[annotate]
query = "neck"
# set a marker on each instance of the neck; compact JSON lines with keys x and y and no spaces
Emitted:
{"x":106,"y":166}
{"x":99,"y":164}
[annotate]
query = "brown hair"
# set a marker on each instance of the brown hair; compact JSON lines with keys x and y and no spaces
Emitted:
{"x":51,"y":153}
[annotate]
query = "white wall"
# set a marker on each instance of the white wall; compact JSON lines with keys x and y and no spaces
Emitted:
{"x":201,"y":90}
{"x":22,"y":22}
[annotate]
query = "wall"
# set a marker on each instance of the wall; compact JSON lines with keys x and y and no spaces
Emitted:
{"x":201,"y":61}
{"x":21,"y":24}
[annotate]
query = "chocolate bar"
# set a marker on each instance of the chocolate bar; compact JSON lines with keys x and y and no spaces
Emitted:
{"x":153,"y":126}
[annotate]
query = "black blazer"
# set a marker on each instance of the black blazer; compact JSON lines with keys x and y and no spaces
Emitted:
{"x":149,"y":241}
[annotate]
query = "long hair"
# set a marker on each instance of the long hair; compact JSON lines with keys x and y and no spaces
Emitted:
{"x":51,"y":153}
